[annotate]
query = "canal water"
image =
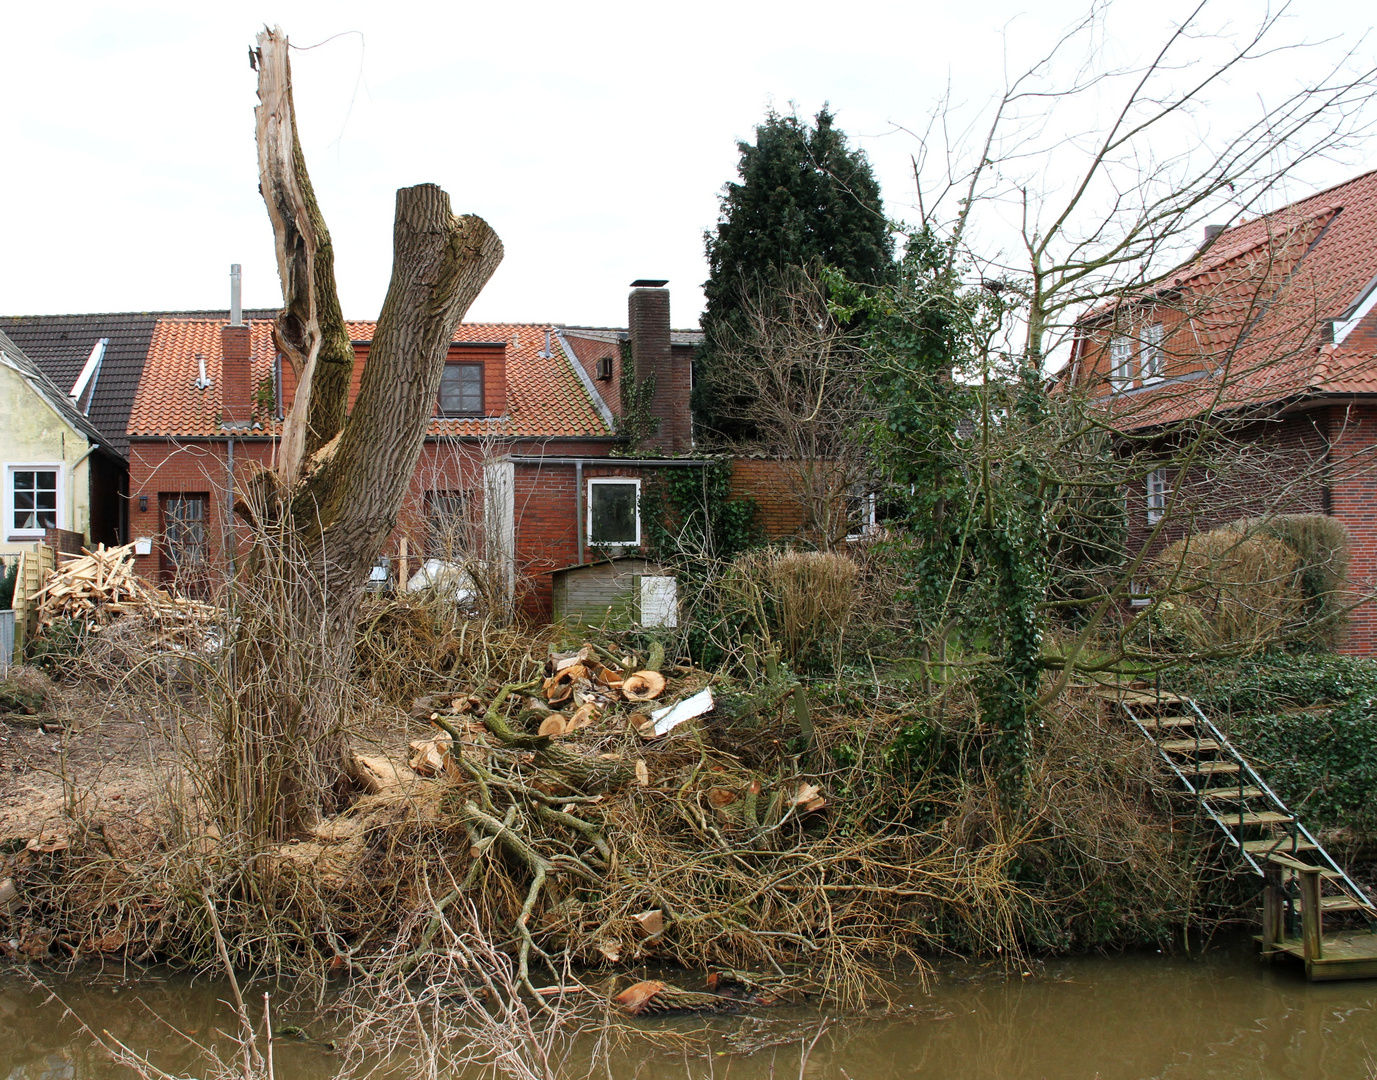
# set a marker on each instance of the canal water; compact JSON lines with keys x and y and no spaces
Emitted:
{"x":1219,"y":1016}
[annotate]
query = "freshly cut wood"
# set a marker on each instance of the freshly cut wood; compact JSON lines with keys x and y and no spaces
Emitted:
{"x":554,"y":724}
{"x":428,"y":756}
{"x":643,"y":686}
{"x":375,"y":774}
{"x":642,"y":773}
{"x":584,"y":716}
{"x":653,"y":997}
{"x":808,"y":799}
{"x":98,"y":586}
{"x":719,"y":797}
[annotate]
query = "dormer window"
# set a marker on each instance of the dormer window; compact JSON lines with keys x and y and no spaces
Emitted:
{"x":461,"y":390}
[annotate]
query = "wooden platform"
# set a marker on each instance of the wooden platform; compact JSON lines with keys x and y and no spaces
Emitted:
{"x":1345,"y":955}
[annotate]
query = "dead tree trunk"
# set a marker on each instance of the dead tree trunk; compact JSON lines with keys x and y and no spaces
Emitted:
{"x":319,"y":522}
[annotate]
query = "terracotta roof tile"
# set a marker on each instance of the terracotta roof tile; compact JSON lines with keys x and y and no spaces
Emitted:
{"x":1256,"y":304}
{"x":545,"y":398}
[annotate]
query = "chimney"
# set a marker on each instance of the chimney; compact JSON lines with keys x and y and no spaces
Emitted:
{"x":652,"y":355}
{"x":1211,"y":231}
{"x":236,"y":358}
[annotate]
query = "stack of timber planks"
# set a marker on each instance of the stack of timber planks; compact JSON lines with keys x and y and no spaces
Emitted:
{"x":97,"y":586}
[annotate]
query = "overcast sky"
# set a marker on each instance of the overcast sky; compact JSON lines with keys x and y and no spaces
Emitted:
{"x":595,"y":137}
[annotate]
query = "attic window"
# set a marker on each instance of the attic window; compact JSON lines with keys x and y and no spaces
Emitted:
{"x":461,"y":390}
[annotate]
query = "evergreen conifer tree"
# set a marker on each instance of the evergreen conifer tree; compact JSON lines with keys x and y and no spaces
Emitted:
{"x":805,"y":199}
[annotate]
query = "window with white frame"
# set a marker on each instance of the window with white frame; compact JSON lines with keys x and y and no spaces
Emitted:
{"x":33,"y":494}
{"x":1120,"y":361}
{"x":1152,"y":358}
{"x":614,"y":512}
{"x":860,"y":513}
{"x":1156,"y":495}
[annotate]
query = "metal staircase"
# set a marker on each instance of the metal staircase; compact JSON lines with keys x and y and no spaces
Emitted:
{"x":1273,"y":843}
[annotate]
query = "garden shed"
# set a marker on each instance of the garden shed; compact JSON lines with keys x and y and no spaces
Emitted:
{"x":618,"y":591}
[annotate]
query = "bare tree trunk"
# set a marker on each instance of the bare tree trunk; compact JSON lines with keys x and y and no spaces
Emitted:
{"x":321,"y":522}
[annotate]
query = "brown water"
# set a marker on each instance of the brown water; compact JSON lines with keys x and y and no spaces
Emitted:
{"x":1125,"y":1017}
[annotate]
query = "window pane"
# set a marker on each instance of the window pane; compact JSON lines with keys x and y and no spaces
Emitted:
{"x":613,"y":513}
{"x":461,"y":388}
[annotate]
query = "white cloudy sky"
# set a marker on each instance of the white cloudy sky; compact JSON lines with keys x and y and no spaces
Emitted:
{"x":594,"y":136}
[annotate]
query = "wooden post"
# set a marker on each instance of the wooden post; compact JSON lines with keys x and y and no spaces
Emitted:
{"x":804,"y":717}
{"x":402,"y":575}
{"x":1312,"y":921}
{"x":1273,"y":912}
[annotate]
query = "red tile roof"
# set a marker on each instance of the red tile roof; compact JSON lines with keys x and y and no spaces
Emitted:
{"x":545,"y":397}
{"x":1253,"y":311}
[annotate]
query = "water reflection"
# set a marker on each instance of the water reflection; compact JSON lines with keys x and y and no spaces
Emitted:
{"x":1129,"y":1017}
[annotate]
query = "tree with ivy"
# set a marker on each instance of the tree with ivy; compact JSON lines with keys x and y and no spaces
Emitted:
{"x":1011,"y":479}
{"x":805,"y":199}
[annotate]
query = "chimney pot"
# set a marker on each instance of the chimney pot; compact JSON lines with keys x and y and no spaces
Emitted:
{"x":236,"y":306}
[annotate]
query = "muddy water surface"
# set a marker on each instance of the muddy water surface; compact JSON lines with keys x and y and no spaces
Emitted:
{"x":1220,"y":1017}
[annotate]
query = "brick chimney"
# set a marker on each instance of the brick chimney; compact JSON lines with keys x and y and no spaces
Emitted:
{"x":236,"y":359}
{"x":652,"y":355}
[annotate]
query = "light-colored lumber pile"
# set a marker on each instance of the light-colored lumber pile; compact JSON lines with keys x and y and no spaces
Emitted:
{"x":97,"y":586}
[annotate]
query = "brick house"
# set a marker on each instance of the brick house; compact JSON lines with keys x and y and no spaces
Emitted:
{"x":1268,"y":335}
{"x":522,"y":458}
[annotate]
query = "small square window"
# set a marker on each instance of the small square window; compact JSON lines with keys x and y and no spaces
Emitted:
{"x":1151,"y":357}
{"x":34,"y":499}
{"x":614,"y":516}
{"x":860,"y":513}
{"x":461,"y":390}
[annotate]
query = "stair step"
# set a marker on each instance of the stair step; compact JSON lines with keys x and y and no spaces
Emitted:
{"x":1261,"y":817}
{"x":1343,"y":903}
{"x":1188,"y":746}
{"x":1283,"y":844}
{"x":1167,"y":722}
{"x":1211,"y":768}
{"x":1230,"y":793}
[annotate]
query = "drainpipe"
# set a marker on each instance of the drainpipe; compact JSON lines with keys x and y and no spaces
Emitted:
{"x":71,"y":487}
{"x":227,"y":511}
{"x":578,"y":505}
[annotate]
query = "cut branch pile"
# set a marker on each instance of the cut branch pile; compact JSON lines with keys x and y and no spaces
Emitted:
{"x":98,"y":586}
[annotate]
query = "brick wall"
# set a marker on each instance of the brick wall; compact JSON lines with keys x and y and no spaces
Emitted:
{"x":587,"y":351}
{"x":1267,"y":467}
{"x":1353,"y":501}
{"x":781,"y":513}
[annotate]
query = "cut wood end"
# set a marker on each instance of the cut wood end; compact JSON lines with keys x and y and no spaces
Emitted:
{"x":652,"y":922}
{"x":642,"y":774}
{"x":643,"y":686}
{"x":554,"y":724}
{"x":635,"y":996}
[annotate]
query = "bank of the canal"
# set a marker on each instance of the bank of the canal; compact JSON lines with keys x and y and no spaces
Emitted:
{"x":1123,"y":1017}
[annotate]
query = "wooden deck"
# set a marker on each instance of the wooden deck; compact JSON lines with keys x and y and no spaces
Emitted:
{"x":1350,"y":954}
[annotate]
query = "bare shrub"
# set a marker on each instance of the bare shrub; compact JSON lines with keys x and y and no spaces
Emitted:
{"x":1225,"y":589}
{"x":802,"y":601}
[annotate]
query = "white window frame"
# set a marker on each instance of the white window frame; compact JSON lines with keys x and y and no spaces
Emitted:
{"x":868,"y":522}
{"x":1120,"y":361}
{"x":60,"y":517}
{"x":599,"y":481}
{"x":1152,"y":357}
{"x":1157,"y":487}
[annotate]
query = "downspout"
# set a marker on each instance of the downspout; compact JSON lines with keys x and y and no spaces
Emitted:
{"x":227,"y":511}
{"x":578,"y":505}
{"x":71,"y":488}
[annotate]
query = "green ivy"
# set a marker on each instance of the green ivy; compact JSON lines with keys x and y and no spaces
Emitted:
{"x":636,"y":423}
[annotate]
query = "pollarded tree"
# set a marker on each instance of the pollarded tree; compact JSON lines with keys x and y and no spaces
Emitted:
{"x":320,"y":518}
{"x":805,"y":199}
